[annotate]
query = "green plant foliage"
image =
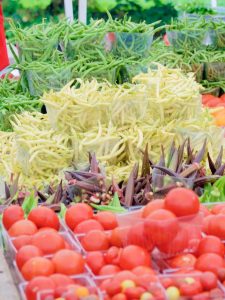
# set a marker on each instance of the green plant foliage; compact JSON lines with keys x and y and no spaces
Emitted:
{"x":42,"y":4}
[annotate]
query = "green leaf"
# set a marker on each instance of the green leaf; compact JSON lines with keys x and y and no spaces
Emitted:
{"x":109,"y":208}
{"x":62,"y":210}
{"x":42,"y":4}
{"x":115,"y":201}
{"x":29,"y":203}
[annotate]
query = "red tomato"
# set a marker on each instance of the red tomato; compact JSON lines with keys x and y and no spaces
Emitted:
{"x":221,"y":274}
{"x":37,"y":266}
{"x":48,"y":241}
{"x":78,"y":213}
{"x":136,"y":236}
{"x":152,"y":206}
{"x":119,"y":296}
{"x":146,"y":279}
{"x":22,"y":227}
{"x":25,"y":253}
{"x":216,"y":226}
{"x":118,"y":236}
{"x":182,"y":202}
{"x":61,"y":282}
{"x":204,"y":210}
{"x":161,"y":227}
{"x":207,"y":97}
{"x":37,"y":285}
{"x":112,"y":256}
{"x":47,"y":229}
{"x":216,"y":294}
{"x":222,"y":98}
{"x":206,"y":221}
{"x":210,"y":262}
{"x":95,"y":240}
{"x":217,"y":208}
{"x":178,"y":244}
{"x":95,"y":261}
{"x":211,"y":244}
{"x":167,"y":282}
{"x":11,"y":215}
{"x":201,"y":296}
{"x":134,"y":292}
{"x":107,"y":219}
{"x":141,"y":270}
{"x":213,"y":102}
{"x":43,"y":216}
{"x":109,"y":270}
{"x":194,"y":234}
{"x":191,"y":289}
{"x":86,"y":226}
{"x":133,"y":256}
{"x":125,"y":275}
{"x":68,"y":262}
{"x":21,"y":241}
{"x":208,"y":281}
{"x":114,"y":287}
{"x":182,"y":261}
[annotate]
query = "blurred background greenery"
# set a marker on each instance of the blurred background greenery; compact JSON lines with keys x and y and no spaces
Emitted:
{"x":28,"y":12}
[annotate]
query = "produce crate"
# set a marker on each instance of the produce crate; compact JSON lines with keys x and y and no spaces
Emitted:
{"x":215,"y":71}
{"x":192,"y":39}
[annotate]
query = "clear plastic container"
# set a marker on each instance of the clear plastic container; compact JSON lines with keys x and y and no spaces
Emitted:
{"x":128,"y":44}
{"x":188,"y":278}
{"x":215,"y":71}
{"x":83,"y":280}
{"x":191,"y":39}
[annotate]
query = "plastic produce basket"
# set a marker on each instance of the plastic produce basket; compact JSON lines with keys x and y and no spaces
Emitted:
{"x":215,"y":71}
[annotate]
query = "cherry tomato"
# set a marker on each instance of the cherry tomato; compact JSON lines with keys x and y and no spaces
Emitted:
{"x":109,"y":270}
{"x":134,"y":292}
{"x":161,"y":227}
{"x":61,"y":282}
{"x":37,"y":285}
{"x":118,"y":236}
{"x":208,"y":281}
{"x":37,"y":266}
{"x":141,"y":270}
{"x":202,"y":296}
{"x":114,"y":287}
{"x":48,"y":241}
{"x":78,"y":213}
{"x":43,"y":216}
{"x":210,"y":262}
{"x":119,"y":296}
{"x":216,"y":226}
{"x":194,"y":235}
{"x":182,"y":202}
{"x":152,"y":206}
{"x":136,"y":236}
{"x":216,"y":294}
{"x":221,"y":274}
{"x":125,"y":275}
{"x":191,"y":289}
{"x":25,"y":253}
{"x":167,"y":282}
{"x":95,"y":261}
{"x":133,"y":256}
{"x":47,"y":229}
{"x":95,"y":240}
{"x":107,"y":219}
{"x":145,"y":279}
{"x":182,"y":261}
{"x":217,"y":208}
{"x":204,"y":210}
{"x":206,"y":222}
{"x":86,"y":226}
{"x":21,"y":241}
{"x":22,"y":227}
{"x":112,"y":256}
{"x":11,"y":215}
{"x":211,"y":244}
{"x":178,"y":244}
{"x":68,"y":262}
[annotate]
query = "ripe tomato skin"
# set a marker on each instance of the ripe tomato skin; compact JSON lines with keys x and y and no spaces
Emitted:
{"x":211,"y":244}
{"x":136,"y":236}
{"x":68,"y":262}
{"x":114,"y":287}
{"x":37,"y":266}
{"x":43,"y":216}
{"x":178,"y":244}
{"x":216,"y":294}
{"x":107,"y":219}
{"x":161,"y":227}
{"x":11,"y":215}
{"x":95,"y":261}
{"x":167,"y":282}
{"x":217,"y":208}
{"x":22,"y":227}
{"x":126,"y":275}
{"x":133,"y":256}
{"x":119,"y":296}
{"x":118,"y":236}
{"x":38,"y":284}
{"x":182,"y":261}
{"x":141,"y":270}
{"x":206,"y":222}
{"x":21,"y":241}
{"x":152,"y":206}
{"x":86,"y":226}
{"x":78,"y":213}
{"x":25,"y":253}
{"x":109,"y":270}
{"x":204,"y":210}
{"x":209,"y":262}
{"x":216,"y":226}
{"x":202,"y":296}
{"x":48,"y":241}
{"x":182,"y":202}
{"x":191,"y":289}
{"x":95,"y":240}
{"x":208,"y":281}
{"x":112,"y":256}
{"x":134,"y":292}
{"x":61,"y":282}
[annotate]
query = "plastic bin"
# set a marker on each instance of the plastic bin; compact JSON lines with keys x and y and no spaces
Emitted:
{"x":215,"y":71}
